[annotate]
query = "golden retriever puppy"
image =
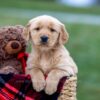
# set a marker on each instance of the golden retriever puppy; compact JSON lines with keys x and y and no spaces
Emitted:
{"x":48,"y":56}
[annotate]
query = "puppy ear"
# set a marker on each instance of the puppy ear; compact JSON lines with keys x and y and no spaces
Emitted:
{"x":63,"y":37}
{"x":26,"y":32}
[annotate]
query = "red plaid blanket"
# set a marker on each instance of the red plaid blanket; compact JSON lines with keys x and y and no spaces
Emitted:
{"x":19,"y":87}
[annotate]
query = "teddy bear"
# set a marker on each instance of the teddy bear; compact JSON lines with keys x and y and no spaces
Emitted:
{"x":12,"y":43}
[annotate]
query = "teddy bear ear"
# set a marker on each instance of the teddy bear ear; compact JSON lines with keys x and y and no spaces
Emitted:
{"x":20,"y":28}
{"x":63,"y":38}
{"x":26,"y":32}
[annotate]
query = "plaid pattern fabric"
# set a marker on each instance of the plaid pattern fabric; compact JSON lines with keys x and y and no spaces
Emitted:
{"x":19,"y":87}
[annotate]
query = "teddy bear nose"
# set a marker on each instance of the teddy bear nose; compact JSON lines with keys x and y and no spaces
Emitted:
{"x":15,"y":45}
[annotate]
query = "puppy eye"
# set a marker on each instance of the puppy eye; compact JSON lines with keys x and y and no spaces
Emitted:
{"x":52,"y":30}
{"x":37,"y":28}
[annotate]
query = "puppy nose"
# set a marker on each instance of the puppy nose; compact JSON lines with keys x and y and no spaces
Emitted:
{"x":15,"y":45}
{"x":44,"y":39}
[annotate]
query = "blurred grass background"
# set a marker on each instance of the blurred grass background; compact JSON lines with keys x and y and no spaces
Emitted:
{"x":84,"y":42}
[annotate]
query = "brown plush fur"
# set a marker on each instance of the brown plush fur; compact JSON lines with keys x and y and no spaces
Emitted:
{"x":11,"y":35}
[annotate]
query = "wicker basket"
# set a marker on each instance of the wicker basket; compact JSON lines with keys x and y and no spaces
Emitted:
{"x":69,"y":89}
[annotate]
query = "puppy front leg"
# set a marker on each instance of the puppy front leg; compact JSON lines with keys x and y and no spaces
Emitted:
{"x":53,"y":79}
{"x":37,"y":77}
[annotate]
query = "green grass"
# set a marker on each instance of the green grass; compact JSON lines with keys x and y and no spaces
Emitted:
{"x":47,"y":5}
{"x":8,"y":20}
{"x":84,"y":47}
{"x":84,"y":43}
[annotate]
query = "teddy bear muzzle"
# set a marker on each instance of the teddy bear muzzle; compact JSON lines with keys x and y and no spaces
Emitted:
{"x":13,"y":47}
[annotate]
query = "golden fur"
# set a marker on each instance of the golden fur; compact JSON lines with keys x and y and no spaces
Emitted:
{"x":51,"y":59}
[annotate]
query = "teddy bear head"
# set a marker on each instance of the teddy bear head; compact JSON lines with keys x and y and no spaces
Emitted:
{"x":11,"y":41}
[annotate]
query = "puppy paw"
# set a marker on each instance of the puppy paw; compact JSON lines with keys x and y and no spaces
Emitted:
{"x":51,"y":86}
{"x":38,"y":84}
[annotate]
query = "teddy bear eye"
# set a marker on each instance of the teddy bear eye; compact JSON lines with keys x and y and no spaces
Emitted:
{"x":52,"y":30}
{"x":37,"y":28}
{"x":7,"y":37}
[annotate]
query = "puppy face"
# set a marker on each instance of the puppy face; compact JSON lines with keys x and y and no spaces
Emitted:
{"x":46,"y":32}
